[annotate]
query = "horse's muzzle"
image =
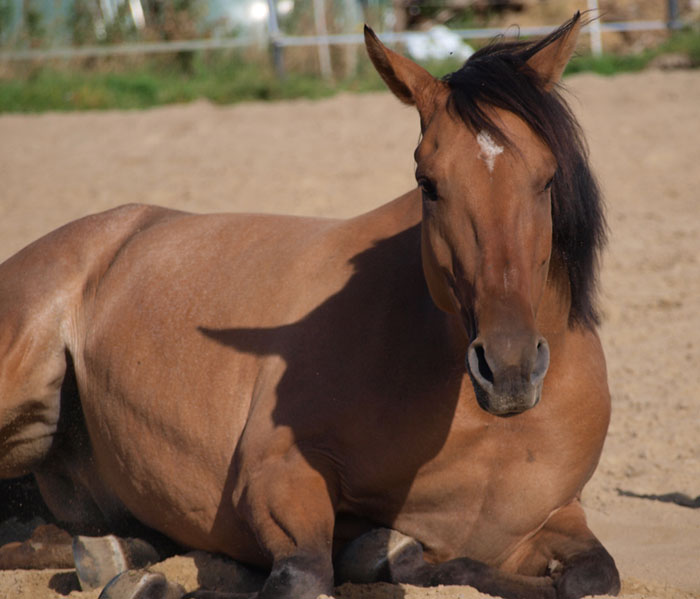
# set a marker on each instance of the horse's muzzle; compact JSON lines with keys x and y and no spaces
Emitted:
{"x":507,"y":374}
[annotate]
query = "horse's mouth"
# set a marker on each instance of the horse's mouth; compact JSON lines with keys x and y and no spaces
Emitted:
{"x":504,"y":405}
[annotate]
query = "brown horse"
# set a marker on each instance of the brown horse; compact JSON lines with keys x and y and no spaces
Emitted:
{"x":272,"y":387}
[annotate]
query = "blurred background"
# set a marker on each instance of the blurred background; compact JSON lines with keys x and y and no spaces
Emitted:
{"x":76,"y":54}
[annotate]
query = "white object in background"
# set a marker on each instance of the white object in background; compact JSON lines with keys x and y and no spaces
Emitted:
{"x":284,"y":7}
{"x":258,"y":11}
{"x":137,"y":13}
{"x":436,"y":44}
{"x":594,"y":29}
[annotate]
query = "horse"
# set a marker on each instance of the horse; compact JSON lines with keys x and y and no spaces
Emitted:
{"x":273,"y":388}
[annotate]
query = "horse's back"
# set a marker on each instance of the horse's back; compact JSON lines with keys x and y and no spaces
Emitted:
{"x":46,"y":278}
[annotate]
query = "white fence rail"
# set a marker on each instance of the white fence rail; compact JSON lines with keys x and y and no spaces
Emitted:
{"x":285,"y":41}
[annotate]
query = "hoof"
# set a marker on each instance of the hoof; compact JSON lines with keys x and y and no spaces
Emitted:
{"x":141,"y":584}
{"x":99,"y":559}
{"x":369,"y":558}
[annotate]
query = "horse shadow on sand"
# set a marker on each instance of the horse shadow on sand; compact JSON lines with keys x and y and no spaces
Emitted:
{"x":676,"y":498}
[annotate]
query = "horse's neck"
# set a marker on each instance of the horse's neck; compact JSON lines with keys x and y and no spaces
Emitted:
{"x":397,"y":215}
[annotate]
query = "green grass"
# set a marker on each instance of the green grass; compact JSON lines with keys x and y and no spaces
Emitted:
{"x":607,"y":64}
{"x":51,"y":88}
{"x":226,"y":79}
{"x":682,"y":42}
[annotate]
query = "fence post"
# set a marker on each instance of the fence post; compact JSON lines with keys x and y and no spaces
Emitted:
{"x":277,"y":47}
{"x":324,"y":52}
{"x":594,"y":29}
{"x":674,"y":19}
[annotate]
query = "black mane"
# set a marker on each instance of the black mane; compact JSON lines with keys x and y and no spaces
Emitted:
{"x":498,"y":75}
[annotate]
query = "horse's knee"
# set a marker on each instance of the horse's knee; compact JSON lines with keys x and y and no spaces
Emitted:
{"x":591,"y":573}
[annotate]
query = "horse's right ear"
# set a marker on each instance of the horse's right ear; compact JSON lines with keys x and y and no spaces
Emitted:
{"x":409,"y":82}
{"x":550,"y":61}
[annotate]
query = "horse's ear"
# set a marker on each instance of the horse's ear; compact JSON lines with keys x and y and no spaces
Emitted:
{"x":549,"y":62}
{"x":408,"y":81}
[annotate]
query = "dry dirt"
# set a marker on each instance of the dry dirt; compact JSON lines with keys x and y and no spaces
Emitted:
{"x":348,"y":154}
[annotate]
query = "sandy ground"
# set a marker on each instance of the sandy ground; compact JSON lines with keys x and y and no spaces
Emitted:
{"x":348,"y":154}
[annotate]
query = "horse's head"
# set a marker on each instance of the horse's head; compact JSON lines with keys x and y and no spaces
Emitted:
{"x":486,"y":167}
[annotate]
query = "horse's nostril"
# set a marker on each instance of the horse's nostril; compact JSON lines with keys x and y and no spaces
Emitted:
{"x":541,"y":362}
{"x":482,"y":365}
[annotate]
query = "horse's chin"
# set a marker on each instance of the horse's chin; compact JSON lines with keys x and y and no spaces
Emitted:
{"x":504,"y":407}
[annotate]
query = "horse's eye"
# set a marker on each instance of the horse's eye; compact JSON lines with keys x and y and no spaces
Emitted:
{"x":549,"y":184}
{"x":428,"y":189}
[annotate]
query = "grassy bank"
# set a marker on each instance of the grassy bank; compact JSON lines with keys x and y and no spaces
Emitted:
{"x":225,"y":78}
{"x":686,"y":43}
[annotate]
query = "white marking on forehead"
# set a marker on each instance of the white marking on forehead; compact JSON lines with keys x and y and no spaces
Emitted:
{"x":489,"y":149}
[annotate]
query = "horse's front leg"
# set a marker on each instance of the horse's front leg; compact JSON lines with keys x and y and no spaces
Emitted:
{"x":388,"y":556}
{"x":563,"y":560}
{"x":287,"y":504}
{"x":579,"y":563}
{"x":293,"y":516}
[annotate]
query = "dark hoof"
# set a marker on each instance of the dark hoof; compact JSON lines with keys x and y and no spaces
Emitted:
{"x":591,"y":573}
{"x":99,"y":559}
{"x":141,"y":584}
{"x":370,"y":558}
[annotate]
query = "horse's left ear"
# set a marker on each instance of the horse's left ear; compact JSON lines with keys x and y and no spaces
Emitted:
{"x":408,"y":81}
{"x":549,"y":62}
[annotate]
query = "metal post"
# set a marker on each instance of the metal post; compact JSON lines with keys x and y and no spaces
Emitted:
{"x":277,"y":48}
{"x":674,"y":17}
